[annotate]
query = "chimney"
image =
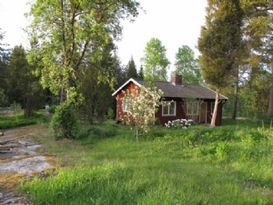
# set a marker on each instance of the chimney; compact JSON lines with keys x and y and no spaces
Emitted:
{"x":176,"y":79}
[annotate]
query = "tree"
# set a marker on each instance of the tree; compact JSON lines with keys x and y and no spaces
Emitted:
{"x":97,"y":93}
{"x":131,"y":69}
{"x":155,"y":61}
{"x":259,"y":35}
{"x":66,"y":31}
{"x":3,"y":69}
{"x":23,"y":87}
{"x":140,"y":73}
{"x":143,"y":105}
{"x":187,"y":65}
{"x":219,"y":44}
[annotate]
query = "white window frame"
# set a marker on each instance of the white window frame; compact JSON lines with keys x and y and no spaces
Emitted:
{"x":190,"y":107}
{"x":126,"y":105}
{"x":168,"y":103}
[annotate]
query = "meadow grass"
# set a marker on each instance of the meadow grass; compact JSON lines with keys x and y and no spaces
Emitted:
{"x":231,"y":164}
{"x":12,"y":121}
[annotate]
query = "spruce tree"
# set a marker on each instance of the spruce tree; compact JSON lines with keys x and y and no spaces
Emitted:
{"x":140,"y":73}
{"x":131,"y":69}
{"x":219,"y":44}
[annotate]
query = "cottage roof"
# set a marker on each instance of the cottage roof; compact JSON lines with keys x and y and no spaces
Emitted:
{"x":179,"y":91}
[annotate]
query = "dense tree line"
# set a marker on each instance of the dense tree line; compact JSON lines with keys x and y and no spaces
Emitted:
{"x":18,"y":84}
{"x":236,"y":54}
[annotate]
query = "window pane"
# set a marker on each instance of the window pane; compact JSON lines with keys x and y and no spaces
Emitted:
{"x":165,"y":109}
{"x":192,"y":108}
{"x":172,"y":107}
{"x":126,"y":105}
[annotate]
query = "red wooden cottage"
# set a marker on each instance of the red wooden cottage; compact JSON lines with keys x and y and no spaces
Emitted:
{"x":186,"y":101}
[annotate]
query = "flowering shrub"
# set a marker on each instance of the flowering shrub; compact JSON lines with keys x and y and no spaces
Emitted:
{"x":179,"y":123}
{"x":140,"y":111}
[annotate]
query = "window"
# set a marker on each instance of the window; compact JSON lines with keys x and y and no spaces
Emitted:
{"x":169,"y":108}
{"x":192,"y":108}
{"x":126,"y":104}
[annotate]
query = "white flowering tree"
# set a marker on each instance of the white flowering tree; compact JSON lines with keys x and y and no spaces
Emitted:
{"x":142,"y":105}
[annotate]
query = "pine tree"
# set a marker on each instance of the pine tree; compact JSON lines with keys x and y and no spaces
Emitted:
{"x":259,"y":35}
{"x":219,"y":44}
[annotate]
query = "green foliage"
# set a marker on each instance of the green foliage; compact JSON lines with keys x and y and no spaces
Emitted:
{"x":140,"y":73}
{"x":259,"y":38}
{"x":93,"y":86}
{"x":187,"y":65}
{"x":23,"y":87}
{"x":131,"y":69}
{"x":155,"y":61}
{"x":65,"y":33}
{"x":231,"y":164}
{"x":64,"y":122}
{"x":220,"y":45}
{"x":110,"y":113}
{"x":3,"y":98}
{"x":220,"y":41}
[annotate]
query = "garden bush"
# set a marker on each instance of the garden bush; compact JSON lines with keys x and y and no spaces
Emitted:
{"x":64,"y":122}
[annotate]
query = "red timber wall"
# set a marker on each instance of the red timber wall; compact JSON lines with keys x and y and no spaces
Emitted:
{"x":119,"y":112}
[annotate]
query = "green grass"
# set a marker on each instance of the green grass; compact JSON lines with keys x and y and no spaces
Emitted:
{"x":12,"y":121}
{"x":231,"y":164}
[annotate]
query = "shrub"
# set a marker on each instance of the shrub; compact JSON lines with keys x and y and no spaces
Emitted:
{"x":64,"y":122}
{"x":179,"y":123}
{"x":52,"y":109}
{"x":110,"y":113}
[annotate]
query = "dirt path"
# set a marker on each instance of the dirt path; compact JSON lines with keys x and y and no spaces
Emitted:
{"x":18,"y":158}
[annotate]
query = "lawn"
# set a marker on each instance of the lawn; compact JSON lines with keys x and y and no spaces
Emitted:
{"x":231,"y":164}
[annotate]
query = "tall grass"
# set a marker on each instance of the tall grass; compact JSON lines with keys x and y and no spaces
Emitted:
{"x":11,"y":121}
{"x":225,"y":165}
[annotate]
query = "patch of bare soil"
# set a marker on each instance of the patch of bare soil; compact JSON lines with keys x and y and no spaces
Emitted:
{"x":19,"y":157}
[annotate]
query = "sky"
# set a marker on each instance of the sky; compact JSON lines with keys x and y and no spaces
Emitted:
{"x":174,"y":22}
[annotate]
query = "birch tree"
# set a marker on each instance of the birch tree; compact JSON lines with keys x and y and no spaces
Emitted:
{"x":64,"y":32}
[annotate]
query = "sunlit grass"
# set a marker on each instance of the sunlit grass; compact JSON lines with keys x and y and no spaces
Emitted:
{"x":225,"y":165}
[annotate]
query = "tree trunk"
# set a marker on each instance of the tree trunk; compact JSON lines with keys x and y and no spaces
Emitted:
{"x":270,"y":105}
{"x":215,"y":110}
{"x":236,"y":95}
{"x":62,"y":95}
{"x":27,"y":108}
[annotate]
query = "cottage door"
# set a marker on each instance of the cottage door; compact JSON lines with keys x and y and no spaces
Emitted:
{"x":203,"y":112}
